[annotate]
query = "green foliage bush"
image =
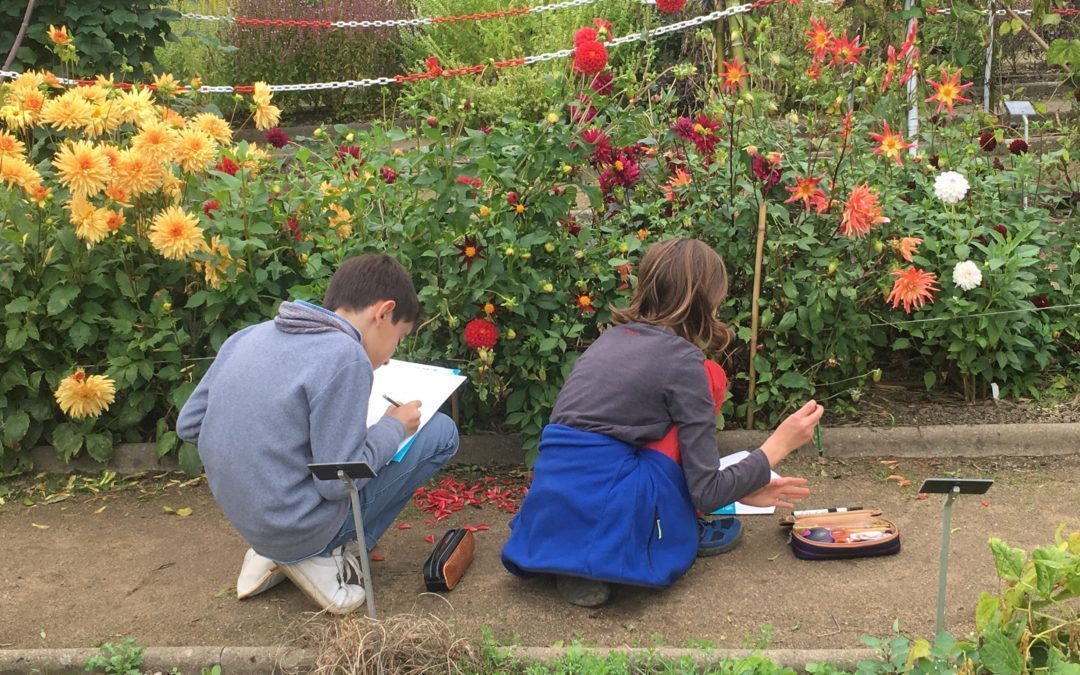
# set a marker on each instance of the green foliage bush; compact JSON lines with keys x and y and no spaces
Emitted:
{"x":109,"y":34}
{"x":516,"y":91}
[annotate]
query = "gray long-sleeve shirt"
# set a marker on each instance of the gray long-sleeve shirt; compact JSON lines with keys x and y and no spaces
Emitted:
{"x":273,"y":401}
{"x":636,"y":381}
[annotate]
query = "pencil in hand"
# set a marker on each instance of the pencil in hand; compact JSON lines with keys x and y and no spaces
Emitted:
{"x":392,"y":401}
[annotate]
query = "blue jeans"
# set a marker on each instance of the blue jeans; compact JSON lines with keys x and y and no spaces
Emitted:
{"x":383,"y":497}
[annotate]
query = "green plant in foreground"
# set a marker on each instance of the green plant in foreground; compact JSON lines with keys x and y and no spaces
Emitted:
{"x":121,"y":659}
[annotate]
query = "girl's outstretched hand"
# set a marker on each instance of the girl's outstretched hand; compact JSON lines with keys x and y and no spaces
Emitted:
{"x":794,"y":431}
{"x":779,"y":492}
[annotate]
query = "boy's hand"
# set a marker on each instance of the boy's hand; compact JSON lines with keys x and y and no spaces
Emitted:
{"x":793,"y":432}
{"x":408,"y":414}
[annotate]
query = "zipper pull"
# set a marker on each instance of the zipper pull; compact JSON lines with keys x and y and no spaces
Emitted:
{"x":659,"y":532}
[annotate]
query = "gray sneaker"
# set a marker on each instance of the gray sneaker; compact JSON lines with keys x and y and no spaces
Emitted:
{"x":581,"y":591}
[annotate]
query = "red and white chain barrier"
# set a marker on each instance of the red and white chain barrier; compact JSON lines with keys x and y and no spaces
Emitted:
{"x":448,"y":72}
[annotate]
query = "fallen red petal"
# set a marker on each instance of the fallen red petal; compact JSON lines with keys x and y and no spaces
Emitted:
{"x":404,"y":526}
{"x":430,"y":539}
{"x":922,"y":495}
{"x":985,"y":502}
{"x":377,"y":558}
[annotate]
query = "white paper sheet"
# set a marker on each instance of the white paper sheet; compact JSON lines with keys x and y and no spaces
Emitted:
{"x":404,"y":381}
{"x":738,"y":508}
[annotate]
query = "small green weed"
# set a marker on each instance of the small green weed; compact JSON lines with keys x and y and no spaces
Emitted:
{"x":121,"y":659}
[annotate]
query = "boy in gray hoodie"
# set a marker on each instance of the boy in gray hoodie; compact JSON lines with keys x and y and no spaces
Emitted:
{"x":294,"y":390}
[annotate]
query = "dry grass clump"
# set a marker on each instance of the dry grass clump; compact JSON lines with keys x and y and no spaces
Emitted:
{"x":404,"y":644}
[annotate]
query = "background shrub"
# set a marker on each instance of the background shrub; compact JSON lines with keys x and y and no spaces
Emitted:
{"x":109,"y":34}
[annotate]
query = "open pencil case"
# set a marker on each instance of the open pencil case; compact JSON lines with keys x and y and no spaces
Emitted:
{"x":851,"y":534}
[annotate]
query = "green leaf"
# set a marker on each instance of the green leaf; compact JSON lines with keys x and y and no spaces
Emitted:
{"x":987,"y":611}
{"x":67,"y":439}
{"x":167,"y":443}
{"x":1008,"y":560}
{"x":100,"y":447}
{"x":793,"y":379}
{"x":61,"y":298}
{"x":920,"y":649}
{"x":929,"y":379}
{"x":20,"y":305}
{"x":1051,"y":566}
{"x":181,"y":393}
{"x":1000,"y":655}
{"x":189,"y":459}
{"x":16,"y":424}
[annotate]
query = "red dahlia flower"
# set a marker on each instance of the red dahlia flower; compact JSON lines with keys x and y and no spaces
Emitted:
{"x":228,"y":166}
{"x":589,"y":58}
{"x":987,"y":141}
{"x":470,"y":250}
{"x":209,"y":207}
{"x":277,"y":138}
{"x":481,"y":333}
{"x":670,"y":6}
{"x":1018,"y":147}
{"x":601,"y":84}
{"x":912,"y":288}
{"x":602,"y":152}
{"x":585,"y":34}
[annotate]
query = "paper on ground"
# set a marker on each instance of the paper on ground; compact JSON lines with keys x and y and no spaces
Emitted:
{"x":738,"y":508}
{"x":404,"y":381}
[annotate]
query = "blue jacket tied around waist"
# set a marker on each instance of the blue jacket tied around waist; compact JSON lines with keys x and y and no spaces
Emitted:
{"x":603,"y":509}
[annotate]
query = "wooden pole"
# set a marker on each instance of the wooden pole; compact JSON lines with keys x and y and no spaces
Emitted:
{"x":754,"y":313}
{"x":19,"y":37}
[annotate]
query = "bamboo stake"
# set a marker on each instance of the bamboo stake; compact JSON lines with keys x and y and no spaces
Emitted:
{"x":1027,"y":29}
{"x":754,"y":313}
{"x":19,"y":36}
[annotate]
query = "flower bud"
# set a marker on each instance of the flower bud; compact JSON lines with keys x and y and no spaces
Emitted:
{"x":579,"y":254}
{"x":484,"y":212}
{"x":552,"y":117}
{"x":349,"y":137}
{"x":511,"y":198}
{"x":548,"y":287}
{"x":833,"y":266}
{"x":509,"y":252}
{"x":452,"y":321}
{"x":526,"y":255}
{"x":875,"y":374}
{"x":567,"y":169}
{"x":511,"y":334}
{"x":549,"y":247}
{"x":398,"y":152}
{"x":433,"y":121}
{"x":166,"y":306}
{"x":623,"y":248}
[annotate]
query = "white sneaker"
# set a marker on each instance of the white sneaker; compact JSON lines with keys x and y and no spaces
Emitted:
{"x":325,"y":580}
{"x":257,"y":574}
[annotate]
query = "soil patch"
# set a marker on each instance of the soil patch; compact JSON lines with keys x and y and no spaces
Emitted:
{"x":889,"y":405}
{"x":76,"y":574}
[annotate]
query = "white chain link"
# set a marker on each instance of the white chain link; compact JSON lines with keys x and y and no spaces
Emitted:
{"x":381,"y":23}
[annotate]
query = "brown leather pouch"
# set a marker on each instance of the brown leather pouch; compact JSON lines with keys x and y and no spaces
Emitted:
{"x":448,"y":562}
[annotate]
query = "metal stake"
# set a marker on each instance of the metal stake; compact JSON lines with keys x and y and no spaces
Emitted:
{"x":365,"y":565}
{"x":944,"y":560}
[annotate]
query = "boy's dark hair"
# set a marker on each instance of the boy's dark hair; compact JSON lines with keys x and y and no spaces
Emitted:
{"x":681,"y":283}
{"x":366,"y":279}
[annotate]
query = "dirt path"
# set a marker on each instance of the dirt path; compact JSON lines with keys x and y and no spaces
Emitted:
{"x":92,"y":575}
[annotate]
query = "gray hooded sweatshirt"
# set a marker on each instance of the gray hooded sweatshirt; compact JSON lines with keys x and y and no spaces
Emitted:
{"x":281,"y":394}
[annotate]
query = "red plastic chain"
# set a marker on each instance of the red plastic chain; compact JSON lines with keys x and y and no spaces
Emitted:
{"x":482,"y":16}
{"x":282,"y":22}
{"x":467,"y":70}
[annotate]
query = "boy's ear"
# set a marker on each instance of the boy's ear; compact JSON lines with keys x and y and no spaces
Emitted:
{"x":384,"y":310}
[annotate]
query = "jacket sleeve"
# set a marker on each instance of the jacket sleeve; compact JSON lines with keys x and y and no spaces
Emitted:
{"x":339,"y":431}
{"x":189,"y":422}
{"x":693,"y":412}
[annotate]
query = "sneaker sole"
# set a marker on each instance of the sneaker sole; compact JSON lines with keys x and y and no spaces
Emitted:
{"x":708,"y":552}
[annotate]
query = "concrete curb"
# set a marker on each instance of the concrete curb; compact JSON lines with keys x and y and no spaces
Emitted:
{"x":233,"y":660}
{"x":260,"y":660}
{"x":963,"y":440}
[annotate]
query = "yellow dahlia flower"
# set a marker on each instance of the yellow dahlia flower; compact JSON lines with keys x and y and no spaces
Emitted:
{"x":176,"y":234}
{"x":261,"y":93}
{"x":267,"y":117}
{"x":137,"y":173}
{"x":18,"y":172}
{"x":91,"y":222}
{"x":213,"y":126}
{"x":216,"y":272}
{"x":82,"y":168}
{"x":67,"y":111}
{"x":155,"y":142}
{"x":194,"y":150}
{"x":80,"y":395}
{"x":10,"y":146}
{"x":135,"y":104}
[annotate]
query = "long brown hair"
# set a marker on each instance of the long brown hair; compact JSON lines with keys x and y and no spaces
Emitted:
{"x":681,"y":283}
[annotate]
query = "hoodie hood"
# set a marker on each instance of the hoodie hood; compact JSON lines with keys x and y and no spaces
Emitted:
{"x":305,"y":317}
